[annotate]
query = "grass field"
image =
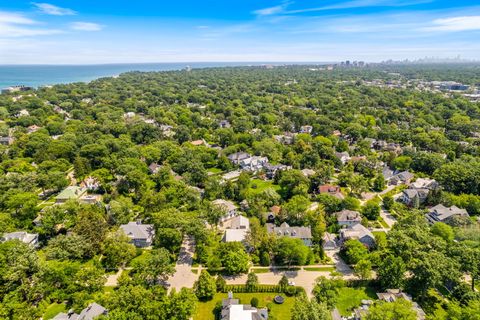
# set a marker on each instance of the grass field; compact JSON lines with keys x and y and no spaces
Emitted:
{"x":265,"y":270}
{"x":278,"y":311}
{"x":258,"y":186}
{"x":53,"y":310}
{"x":383,"y":223}
{"x":350,"y":298}
{"x":326,"y":269}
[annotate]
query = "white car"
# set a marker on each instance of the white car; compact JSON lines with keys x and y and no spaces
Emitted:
{"x":291,"y":283}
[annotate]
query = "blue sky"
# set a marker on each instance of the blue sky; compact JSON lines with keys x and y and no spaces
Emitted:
{"x":115,"y":31}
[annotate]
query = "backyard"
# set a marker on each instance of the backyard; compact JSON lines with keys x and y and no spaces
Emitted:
{"x":349,"y":298}
{"x":278,"y":311}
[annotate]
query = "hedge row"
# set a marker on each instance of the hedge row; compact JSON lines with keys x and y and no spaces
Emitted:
{"x":258,"y":288}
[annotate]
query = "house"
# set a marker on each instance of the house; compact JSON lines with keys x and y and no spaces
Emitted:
{"x":403,"y":177}
{"x":22,"y":113}
{"x":238,"y":157}
{"x":418,"y":191}
{"x":344,"y":157}
{"x":271,"y":170}
{"x":362,"y":311}
{"x":360,"y":233}
{"x":140,"y":234}
{"x":347,"y":218}
{"x":224,"y":124}
{"x":329,"y":242}
{"x":69,"y":193}
{"x":228,"y":207}
{"x":90,"y":183}
{"x":308,"y":172}
{"x":237,"y":229}
{"x":254,"y":163}
{"x":392,"y":295}
{"x":286,"y":138}
{"x":129,"y":115}
{"x":6,"y":141}
{"x":302,"y":233}
{"x":411,"y":196}
{"x":306,"y":129}
{"x":387,"y":173}
{"x":423,"y":183}
{"x":33,"y":128}
{"x":154,"y":168}
{"x":440,"y":213}
{"x":274,"y":211}
{"x":13,"y":89}
{"x":331,"y":190}
{"x":233,"y":310}
{"x":200,"y":142}
{"x":28,"y":238}
{"x":91,"y":312}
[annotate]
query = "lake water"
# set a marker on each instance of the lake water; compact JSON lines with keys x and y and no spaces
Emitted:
{"x":40,"y":75}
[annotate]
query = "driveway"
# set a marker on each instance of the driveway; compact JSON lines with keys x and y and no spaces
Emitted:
{"x":388,"y":218}
{"x":183,"y":276}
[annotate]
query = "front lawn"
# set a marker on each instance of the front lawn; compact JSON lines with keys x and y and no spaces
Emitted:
{"x":350,"y":298}
{"x":322,"y":269}
{"x":54,"y":309}
{"x":258,"y":186}
{"x":278,"y":311}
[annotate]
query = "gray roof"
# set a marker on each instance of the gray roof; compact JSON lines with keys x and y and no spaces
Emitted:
{"x":403,"y":176}
{"x":292,"y":232}
{"x":137,"y":230}
{"x":357,"y":231}
{"x":22,"y":236}
{"x":442,"y":213}
{"x":92,"y":311}
{"x":348,"y":215}
{"x":238,"y":156}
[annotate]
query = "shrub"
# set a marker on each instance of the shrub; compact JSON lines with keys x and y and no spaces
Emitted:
{"x":254,"y":302}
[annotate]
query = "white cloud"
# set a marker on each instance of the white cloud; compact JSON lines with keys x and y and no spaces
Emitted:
{"x":14,"y":25}
{"x":86,"y":26}
{"x":53,"y":10}
{"x":464,"y":23}
{"x":273,"y":10}
{"x":14,"y":18}
{"x":282,"y":9}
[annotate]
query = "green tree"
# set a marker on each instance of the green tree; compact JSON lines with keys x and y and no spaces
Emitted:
{"x":117,"y":250}
{"x":326,"y":290}
{"x":236,"y":262}
{"x":391,"y":272}
{"x":444,"y":231}
{"x":205,"y":287}
{"x":363,"y":269}
{"x":371,"y":210}
{"x":252,"y":282}
{"x":154,"y":267}
{"x":398,"y":309}
{"x":305,"y":309}
{"x":291,"y":251}
{"x":354,"y":251}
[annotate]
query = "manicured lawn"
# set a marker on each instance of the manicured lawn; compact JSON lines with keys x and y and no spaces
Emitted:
{"x":53,"y":310}
{"x":278,"y":312}
{"x":377,"y":233}
{"x":383,"y":223}
{"x":265,"y":270}
{"x":215,"y":170}
{"x":350,"y":298}
{"x":258,"y":186}
{"x":326,"y":269}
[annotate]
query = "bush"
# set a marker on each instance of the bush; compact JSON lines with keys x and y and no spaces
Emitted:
{"x":254,"y":302}
{"x":265,"y":259}
{"x":290,"y":291}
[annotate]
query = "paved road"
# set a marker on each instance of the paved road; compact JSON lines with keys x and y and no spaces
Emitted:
{"x":184,"y":277}
{"x":302,"y":278}
{"x":340,"y":265}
